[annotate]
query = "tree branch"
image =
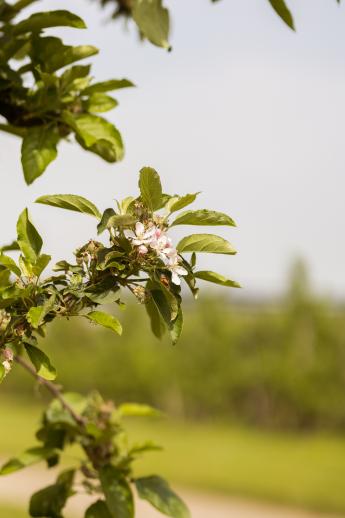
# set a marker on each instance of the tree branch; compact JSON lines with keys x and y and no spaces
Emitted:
{"x":53,"y":389}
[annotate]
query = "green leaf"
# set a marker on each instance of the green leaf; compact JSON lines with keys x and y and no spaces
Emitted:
{"x":38,"y":21}
{"x":121,"y":221}
{"x":35,"y":315}
{"x":98,"y":510}
{"x":29,"y":240}
{"x":176,"y":327}
{"x":27,"y":458}
{"x":205,"y":243}
{"x":153,"y":21}
{"x":97,"y":135}
{"x":50,"y":501}
{"x":105,"y":320}
{"x":107,"y":86}
{"x":41,"y":362}
{"x":117,"y":493}
{"x":282,"y":10}
{"x":138,"y":410}
{"x":10,"y":264}
{"x":2,"y":377}
{"x":203,"y":217}
{"x":103,"y":224}
{"x":70,"y":202}
{"x":216,"y":278}
{"x":51,"y":54}
{"x":38,"y":150}
{"x":41,"y":264}
{"x":157,"y":325}
{"x":180,"y":202}
{"x":156,"y":490}
{"x":12,"y":247}
{"x":99,"y":102}
{"x":150,"y":188}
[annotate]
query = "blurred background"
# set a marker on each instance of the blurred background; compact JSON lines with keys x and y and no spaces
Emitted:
{"x":252,"y":115}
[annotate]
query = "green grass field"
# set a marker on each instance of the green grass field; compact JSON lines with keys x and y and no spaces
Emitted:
{"x":302,"y":470}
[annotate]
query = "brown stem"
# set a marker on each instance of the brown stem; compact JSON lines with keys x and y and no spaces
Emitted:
{"x":53,"y":389}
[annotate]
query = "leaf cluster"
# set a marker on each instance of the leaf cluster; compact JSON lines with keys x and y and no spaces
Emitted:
{"x":104,"y":469}
{"x":152,"y":18}
{"x":28,"y":302}
{"x":46,"y":95}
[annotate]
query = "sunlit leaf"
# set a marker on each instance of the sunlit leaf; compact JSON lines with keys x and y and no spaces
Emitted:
{"x":70,"y":202}
{"x":216,"y":278}
{"x":205,"y":243}
{"x":105,"y":320}
{"x":41,"y":362}
{"x":153,"y":21}
{"x":157,"y":491}
{"x":38,"y":150}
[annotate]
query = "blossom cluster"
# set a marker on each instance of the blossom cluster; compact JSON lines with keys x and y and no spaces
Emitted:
{"x":151,"y":237}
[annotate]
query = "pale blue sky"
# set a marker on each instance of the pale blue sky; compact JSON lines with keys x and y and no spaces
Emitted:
{"x":243,"y":109}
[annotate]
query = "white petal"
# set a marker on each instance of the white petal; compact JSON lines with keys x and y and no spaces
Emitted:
{"x":129,"y":234}
{"x":139,"y":228}
{"x":181,"y":271}
{"x":137,"y":242}
{"x":175,"y":279}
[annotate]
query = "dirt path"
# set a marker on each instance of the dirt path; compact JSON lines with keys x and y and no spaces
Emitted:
{"x":15,"y":489}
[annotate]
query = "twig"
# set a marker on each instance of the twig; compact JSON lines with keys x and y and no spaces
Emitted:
{"x":53,"y":389}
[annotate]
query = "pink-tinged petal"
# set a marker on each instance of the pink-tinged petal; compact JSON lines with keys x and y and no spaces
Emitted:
{"x":139,"y":228}
{"x":158,"y":232}
{"x":150,"y":232}
{"x":175,"y":279}
{"x":143,"y":250}
{"x":137,"y":242}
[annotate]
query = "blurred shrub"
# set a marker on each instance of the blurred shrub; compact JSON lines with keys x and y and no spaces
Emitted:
{"x":280,"y":365}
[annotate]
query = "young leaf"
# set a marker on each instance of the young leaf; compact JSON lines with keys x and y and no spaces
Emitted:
{"x":40,"y":265}
{"x":98,"y":510}
{"x":121,"y":221}
{"x":180,"y":202}
{"x":150,"y":188}
{"x":51,"y":54}
{"x":98,"y":103}
{"x":27,"y":458}
{"x":107,"y":86}
{"x":203,"y":217}
{"x":97,"y":135}
{"x":35,"y":315}
{"x":38,"y":150}
{"x":29,"y":240}
{"x":205,"y":243}
{"x":282,"y":10}
{"x":153,"y":21}
{"x":117,"y":493}
{"x":70,"y":202}
{"x":103,"y":224}
{"x":216,"y":278}
{"x":41,"y":362}
{"x":10,"y":264}
{"x":105,"y":320}
{"x":38,"y":21}
{"x":157,"y":491}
